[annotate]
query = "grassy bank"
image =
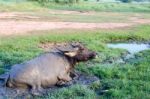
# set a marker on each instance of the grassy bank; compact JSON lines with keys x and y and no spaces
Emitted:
{"x":121,"y":81}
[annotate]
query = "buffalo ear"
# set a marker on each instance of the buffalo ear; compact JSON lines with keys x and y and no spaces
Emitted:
{"x":71,"y":54}
{"x":69,"y":51}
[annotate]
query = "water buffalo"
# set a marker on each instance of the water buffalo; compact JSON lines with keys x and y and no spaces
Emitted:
{"x":48,"y":69}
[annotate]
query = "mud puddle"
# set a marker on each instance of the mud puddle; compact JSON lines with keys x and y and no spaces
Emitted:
{"x":8,"y":93}
{"x":132,"y":48}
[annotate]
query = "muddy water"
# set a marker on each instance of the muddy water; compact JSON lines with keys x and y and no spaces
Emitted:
{"x":132,"y":48}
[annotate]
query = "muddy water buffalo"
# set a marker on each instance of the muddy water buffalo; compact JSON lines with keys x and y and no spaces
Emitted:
{"x":48,"y":69}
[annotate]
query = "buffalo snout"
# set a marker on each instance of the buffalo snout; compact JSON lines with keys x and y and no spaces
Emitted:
{"x":92,"y":55}
{"x":85,"y":56}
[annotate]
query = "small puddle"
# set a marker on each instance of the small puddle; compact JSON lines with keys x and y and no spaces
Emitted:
{"x":132,"y":48}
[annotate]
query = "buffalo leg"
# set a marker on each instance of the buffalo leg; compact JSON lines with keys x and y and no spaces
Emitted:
{"x":60,"y":83}
{"x":63,"y":78}
{"x":73,"y":74}
{"x":36,"y":90}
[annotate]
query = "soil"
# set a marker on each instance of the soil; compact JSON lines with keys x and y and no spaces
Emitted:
{"x":140,"y":20}
{"x":22,"y":27}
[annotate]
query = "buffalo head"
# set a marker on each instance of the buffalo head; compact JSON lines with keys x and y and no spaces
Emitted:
{"x":78,"y":52}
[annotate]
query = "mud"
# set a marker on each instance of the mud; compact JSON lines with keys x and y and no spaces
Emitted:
{"x":82,"y":79}
{"x":132,"y":48}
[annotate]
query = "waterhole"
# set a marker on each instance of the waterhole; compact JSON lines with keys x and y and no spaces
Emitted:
{"x":132,"y":48}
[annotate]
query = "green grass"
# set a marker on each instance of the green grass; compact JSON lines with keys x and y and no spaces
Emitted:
{"x":73,"y":92}
{"x":95,"y":17}
{"x":86,"y":6}
{"x":75,"y":16}
{"x":117,"y":81}
{"x":125,"y":78}
{"x":95,"y":39}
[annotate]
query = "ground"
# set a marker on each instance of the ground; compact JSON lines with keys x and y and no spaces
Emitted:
{"x":24,"y":35}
